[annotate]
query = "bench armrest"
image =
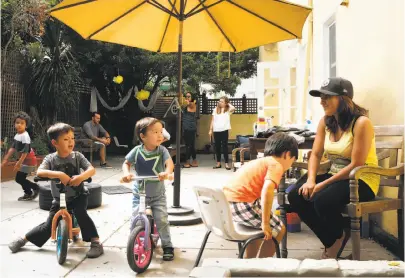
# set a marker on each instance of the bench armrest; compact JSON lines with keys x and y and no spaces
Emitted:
{"x":386,"y":172}
{"x":84,"y":142}
{"x":358,"y":171}
{"x":242,"y":153}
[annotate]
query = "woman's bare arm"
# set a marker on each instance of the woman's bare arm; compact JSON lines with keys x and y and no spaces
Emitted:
{"x":317,"y":151}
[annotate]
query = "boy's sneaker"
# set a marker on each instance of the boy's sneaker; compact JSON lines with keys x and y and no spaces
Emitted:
{"x":96,"y":250}
{"x":35,"y":193}
{"x":168,"y":254}
{"x":25,"y":197}
{"x":105,"y":166}
{"x":16,"y":244}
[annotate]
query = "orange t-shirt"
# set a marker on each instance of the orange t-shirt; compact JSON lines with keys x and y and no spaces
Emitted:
{"x":247,"y":183}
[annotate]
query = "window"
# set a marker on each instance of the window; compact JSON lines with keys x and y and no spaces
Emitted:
{"x":330,"y":48}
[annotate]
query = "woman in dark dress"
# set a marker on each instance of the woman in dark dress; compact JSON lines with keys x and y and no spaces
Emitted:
{"x":190,"y":129}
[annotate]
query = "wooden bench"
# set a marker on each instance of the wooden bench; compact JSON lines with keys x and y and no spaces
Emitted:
{"x":83,"y":145}
{"x":389,"y":144}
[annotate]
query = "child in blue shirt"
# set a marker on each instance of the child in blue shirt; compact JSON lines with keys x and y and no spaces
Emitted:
{"x":150,"y":158}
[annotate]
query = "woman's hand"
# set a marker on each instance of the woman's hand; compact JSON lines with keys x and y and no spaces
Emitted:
{"x":266,"y":230}
{"x":317,"y":188}
{"x":306,"y":189}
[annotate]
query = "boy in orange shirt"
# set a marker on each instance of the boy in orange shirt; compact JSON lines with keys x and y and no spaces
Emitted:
{"x":250,"y":192}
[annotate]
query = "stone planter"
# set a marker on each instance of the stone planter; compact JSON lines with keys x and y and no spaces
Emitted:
{"x":8,"y":173}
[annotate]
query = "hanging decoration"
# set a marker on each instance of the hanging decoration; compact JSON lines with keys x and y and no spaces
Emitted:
{"x":142,"y":95}
{"x":93,"y":100}
{"x":118,"y":79}
{"x":152,"y":100}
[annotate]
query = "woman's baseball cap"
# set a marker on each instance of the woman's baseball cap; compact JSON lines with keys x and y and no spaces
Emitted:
{"x":334,"y":86}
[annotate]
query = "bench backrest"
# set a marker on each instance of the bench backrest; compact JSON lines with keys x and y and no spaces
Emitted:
{"x":78,"y":132}
{"x":389,"y":144}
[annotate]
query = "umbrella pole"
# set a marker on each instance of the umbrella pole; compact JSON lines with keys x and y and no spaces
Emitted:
{"x":178,"y":215}
{"x":177,"y":167}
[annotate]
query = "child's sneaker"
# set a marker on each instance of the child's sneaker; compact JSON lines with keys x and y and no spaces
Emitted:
{"x":25,"y":197}
{"x":16,"y":244}
{"x":35,"y":193}
{"x":168,"y":254}
{"x":96,"y":250}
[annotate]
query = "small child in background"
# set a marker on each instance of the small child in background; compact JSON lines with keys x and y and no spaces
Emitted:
{"x":150,"y":158}
{"x":250,"y":192}
{"x":27,"y":161}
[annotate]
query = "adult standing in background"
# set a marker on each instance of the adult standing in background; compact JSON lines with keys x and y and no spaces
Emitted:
{"x":220,"y":126}
{"x":190,"y":130}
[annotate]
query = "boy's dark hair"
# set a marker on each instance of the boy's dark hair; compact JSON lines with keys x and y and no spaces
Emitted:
{"x":279,"y":143}
{"x":58,"y":129}
{"x":23,"y":116}
{"x":93,"y":114}
{"x":143,"y":124}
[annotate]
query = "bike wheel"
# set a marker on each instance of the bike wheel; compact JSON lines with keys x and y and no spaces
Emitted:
{"x":138,"y":258}
{"x":61,"y":241}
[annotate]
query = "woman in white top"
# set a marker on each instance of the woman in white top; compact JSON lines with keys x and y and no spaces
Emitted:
{"x":220,"y":126}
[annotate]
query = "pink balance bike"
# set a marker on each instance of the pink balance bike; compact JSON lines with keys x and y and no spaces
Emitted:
{"x":144,"y":235}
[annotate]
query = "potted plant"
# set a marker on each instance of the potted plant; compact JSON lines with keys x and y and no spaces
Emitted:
{"x":7,"y":172}
{"x":39,"y":144}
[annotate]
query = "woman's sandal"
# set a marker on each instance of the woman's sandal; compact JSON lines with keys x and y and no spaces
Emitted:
{"x":227,"y":168}
{"x":186,"y":166}
{"x":345,"y":240}
{"x":217,"y":167}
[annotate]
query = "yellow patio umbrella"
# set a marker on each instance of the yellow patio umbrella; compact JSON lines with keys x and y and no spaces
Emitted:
{"x":184,"y":26}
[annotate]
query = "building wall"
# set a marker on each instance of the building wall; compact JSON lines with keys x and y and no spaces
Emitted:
{"x":370,"y":44}
{"x":370,"y":53}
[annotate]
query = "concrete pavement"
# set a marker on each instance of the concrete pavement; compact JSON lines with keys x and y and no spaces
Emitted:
{"x":112,"y":223}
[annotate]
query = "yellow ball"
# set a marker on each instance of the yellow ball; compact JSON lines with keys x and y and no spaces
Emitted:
{"x":142,"y":95}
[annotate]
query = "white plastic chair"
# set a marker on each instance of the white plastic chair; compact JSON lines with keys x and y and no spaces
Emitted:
{"x":118,"y":143}
{"x":217,"y":217}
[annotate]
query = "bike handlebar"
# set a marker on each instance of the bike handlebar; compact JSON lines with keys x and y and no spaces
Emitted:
{"x":141,"y":178}
{"x":37,"y":179}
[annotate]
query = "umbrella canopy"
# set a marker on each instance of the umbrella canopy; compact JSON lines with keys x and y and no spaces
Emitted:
{"x":209,"y":25}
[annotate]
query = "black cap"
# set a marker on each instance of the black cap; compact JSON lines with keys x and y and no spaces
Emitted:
{"x":334,"y":86}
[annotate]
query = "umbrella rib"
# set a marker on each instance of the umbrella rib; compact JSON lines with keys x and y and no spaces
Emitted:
{"x":220,"y":29}
{"x":71,"y":5}
{"x":194,"y":12}
{"x":161,"y":7}
{"x":164,"y":34}
{"x":262,"y":18}
{"x":173,"y":6}
{"x":116,"y":19}
{"x":196,"y":7}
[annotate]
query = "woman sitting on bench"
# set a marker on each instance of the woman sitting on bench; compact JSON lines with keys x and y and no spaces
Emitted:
{"x":346,"y":136}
